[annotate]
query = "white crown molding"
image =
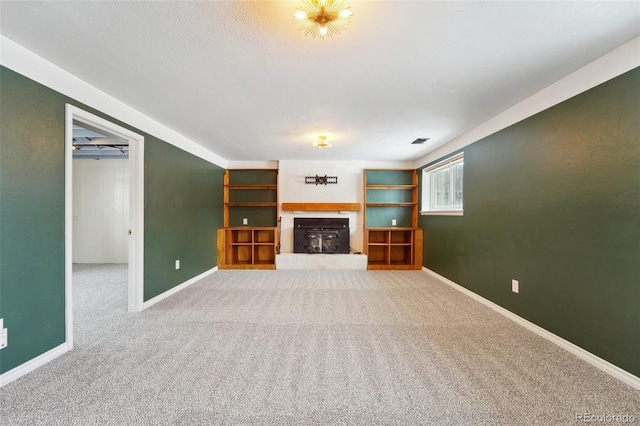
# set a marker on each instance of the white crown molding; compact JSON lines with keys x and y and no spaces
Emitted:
{"x":27,"y":63}
{"x":611,"y":65}
{"x":364,"y":164}
{"x":387,"y":165}
{"x":252,"y":164}
{"x":596,"y":361}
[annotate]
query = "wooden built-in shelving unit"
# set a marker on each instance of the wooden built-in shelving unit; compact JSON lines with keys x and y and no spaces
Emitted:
{"x":250,"y":195}
{"x":247,"y":248}
{"x":393,"y":248}
{"x":392,"y":195}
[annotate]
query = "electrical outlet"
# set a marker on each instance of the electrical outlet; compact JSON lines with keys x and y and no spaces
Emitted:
{"x":3,"y":338}
{"x":177,"y":264}
{"x":515,"y":286}
{"x":245,"y":221}
{"x":393,"y":222}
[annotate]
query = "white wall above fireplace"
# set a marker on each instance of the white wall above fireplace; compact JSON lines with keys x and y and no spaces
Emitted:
{"x":292,"y":189}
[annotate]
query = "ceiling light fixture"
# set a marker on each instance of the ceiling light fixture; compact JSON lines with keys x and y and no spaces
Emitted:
{"x":323,"y":17}
{"x":322,"y":142}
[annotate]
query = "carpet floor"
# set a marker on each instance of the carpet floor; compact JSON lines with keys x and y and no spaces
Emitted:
{"x":305,"y":348}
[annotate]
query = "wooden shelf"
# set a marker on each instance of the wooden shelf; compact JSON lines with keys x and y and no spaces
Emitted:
{"x":250,"y":187}
{"x":391,"y":186}
{"x":321,"y":207}
{"x":253,"y":204}
{"x":391,"y":204}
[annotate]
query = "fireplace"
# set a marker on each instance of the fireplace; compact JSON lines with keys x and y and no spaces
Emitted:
{"x":321,"y":235}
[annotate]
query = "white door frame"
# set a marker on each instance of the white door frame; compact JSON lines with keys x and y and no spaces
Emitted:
{"x":136,"y":208}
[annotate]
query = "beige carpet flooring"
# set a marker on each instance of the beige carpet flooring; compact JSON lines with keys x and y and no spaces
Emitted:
{"x":305,"y":348}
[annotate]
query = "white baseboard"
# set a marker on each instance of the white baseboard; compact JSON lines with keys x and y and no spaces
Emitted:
{"x":31,"y":365}
{"x":606,"y":366}
{"x":177,"y":288}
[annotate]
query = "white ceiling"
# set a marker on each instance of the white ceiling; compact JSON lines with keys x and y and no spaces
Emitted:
{"x":238,"y":77}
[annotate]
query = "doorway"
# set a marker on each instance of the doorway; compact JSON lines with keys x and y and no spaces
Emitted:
{"x":135,"y":244}
{"x":100,"y":197}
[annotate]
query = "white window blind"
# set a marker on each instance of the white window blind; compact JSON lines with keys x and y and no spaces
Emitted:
{"x":442,"y":187}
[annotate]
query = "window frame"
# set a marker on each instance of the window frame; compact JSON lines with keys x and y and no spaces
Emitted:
{"x":428,"y":193}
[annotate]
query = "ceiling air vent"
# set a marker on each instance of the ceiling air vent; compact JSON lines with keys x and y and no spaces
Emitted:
{"x":419,"y":141}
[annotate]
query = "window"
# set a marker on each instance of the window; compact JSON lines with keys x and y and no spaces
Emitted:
{"x":442,"y":191}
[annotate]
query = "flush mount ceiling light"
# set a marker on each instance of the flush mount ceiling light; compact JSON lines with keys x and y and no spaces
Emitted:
{"x":323,"y":17}
{"x":322,"y":142}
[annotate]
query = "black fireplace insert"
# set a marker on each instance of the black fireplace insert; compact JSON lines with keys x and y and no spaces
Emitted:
{"x":321,"y":235}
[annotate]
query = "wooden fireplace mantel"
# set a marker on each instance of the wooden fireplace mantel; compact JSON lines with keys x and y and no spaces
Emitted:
{"x":321,"y":207}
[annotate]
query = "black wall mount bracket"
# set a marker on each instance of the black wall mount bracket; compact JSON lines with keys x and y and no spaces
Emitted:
{"x":320,"y":180}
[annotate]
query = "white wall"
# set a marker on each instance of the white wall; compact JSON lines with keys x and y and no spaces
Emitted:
{"x":292,"y":189}
{"x":100,"y":210}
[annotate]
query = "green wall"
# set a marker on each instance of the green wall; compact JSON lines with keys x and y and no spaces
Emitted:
{"x":183,"y":207}
{"x":31,"y":218}
{"x":554,"y":202}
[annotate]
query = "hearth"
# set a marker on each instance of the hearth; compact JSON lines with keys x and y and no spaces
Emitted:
{"x":321,"y":235}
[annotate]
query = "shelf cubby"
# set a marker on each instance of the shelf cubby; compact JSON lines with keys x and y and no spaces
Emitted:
{"x":247,"y":248}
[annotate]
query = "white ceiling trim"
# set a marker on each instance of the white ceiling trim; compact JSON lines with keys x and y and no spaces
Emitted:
{"x":252,"y":164}
{"x":608,"y":66}
{"x":27,"y":63}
